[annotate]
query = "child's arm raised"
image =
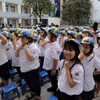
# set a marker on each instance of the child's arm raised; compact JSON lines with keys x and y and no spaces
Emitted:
{"x":28,"y":53}
{"x":18,"y":50}
{"x":4,"y":40}
{"x":68,"y":75}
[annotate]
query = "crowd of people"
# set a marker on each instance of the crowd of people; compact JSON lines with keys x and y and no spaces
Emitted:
{"x":70,"y":56}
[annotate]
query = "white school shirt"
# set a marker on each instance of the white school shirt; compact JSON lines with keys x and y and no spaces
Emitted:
{"x":61,"y":41}
{"x":25,"y":64}
{"x":10,"y":52}
{"x":15,"y":60}
{"x":42,"y":49}
{"x":3,"y":56}
{"x":90,"y":64}
{"x":52,"y":51}
{"x":97,"y":51}
{"x":77,"y":73}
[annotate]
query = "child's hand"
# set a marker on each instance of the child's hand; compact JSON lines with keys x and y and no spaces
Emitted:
{"x":81,"y":55}
{"x":53,"y":72}
{"x":41,"y":38}
{"x":20,"y":47}
{"x":7,"y":49}
{"x":25,"y":47}
{"x":68,"y":64}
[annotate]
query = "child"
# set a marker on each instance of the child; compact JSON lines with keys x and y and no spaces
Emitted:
{"x":28,"y":54}
{"x":9,"y":49}
{"x":17,"y":42}
{"x":71,"y":35}
{"x":97,"y":77}
{"x":90,"y":62}
{"x":4,"y":73}
{"x":42,"y":39}
{"x":52,"y":53}
{"x":88,"y":33}
{"x":70,"y":82}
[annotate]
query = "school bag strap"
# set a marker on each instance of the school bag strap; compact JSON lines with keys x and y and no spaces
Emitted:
{"x":91,"y":57}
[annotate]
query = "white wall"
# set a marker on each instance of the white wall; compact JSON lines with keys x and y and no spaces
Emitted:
{"x":95,"y":11}
{"x":13,"y":1}
{"x":53,"y":20}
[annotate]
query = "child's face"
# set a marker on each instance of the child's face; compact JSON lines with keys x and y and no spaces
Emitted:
{"x":69,"y":36}
{"x":69,"y":53}
{"x":86,"y":34}
{"x":99,"y":41}
{"x":24,"y":40}
{"x":49,"y":36}
{"x":79,"y":39}
{"x":85,"y":48}
{"x":41,"y":33}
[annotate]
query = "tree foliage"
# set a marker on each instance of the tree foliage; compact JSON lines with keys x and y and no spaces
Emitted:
{"x":39,"y":7}
{"x":76,"y":12}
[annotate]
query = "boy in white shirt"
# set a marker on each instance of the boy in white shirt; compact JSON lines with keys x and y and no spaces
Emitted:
{"x":9,"y":49}
{"x":52,"y":54}
{"x":4,"y":73}
{"x":28,"y":54}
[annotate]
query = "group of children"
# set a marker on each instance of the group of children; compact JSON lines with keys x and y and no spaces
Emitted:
{"x":69,"y":56}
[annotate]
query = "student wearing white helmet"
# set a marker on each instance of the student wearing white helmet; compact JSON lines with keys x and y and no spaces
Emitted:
{"x":90,"y":62}
{"x":28,"y":54}
{"x":97,"y":77}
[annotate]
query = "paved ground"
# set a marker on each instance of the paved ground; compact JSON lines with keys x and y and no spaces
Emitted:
{"x":45,"y":95}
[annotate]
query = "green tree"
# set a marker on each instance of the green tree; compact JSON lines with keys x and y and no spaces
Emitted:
{"x":39,"y":7}
{"x":76,"y":12}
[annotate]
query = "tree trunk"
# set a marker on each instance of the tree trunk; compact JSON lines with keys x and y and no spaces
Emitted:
{"x":40,"y":17}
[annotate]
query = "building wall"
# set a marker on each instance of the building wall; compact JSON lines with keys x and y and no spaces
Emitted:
{"x":9,"y":17}
{"x":0,"y":6}
{"x":13,"y":1}
{"x":54,"y":20}
{"x":95,"y":11}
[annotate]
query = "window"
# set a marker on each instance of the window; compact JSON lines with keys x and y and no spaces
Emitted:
{"x":29,"y":11}
{"x":8,"y":21}
{"x":25,"y":10}
{"x":26,"y":22}
{"x":6,"y":8}
{"x":12,"y":8}
{"x":14,"y":23}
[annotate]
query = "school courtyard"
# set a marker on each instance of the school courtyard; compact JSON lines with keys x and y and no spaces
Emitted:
{"x":45,"y":95}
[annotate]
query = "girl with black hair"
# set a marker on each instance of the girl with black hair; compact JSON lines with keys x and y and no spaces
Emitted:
{"x":42,"y":38}
{"x":70,"y":82}
{"x":97,"y":77}
{"x":90,"y":63}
